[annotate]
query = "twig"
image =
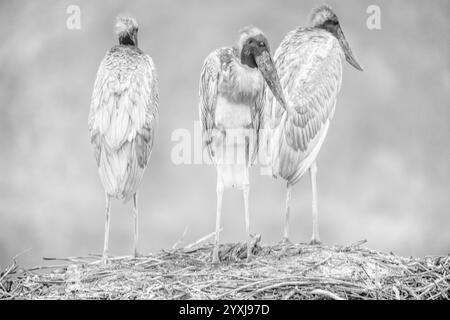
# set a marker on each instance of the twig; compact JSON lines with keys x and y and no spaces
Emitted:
{"x":327,"y":294}
{"x":180,"y":241}
{"x":355,"y":244}
{"x":186,"y":272}
{"x":277,"y":285}
{"x":290,"y":294}
{"x":201,"y":240}
{"x":317,"y":264}
{"x":396,"y":292}
{"x":427,"y":288}
{"x":13,"y":265}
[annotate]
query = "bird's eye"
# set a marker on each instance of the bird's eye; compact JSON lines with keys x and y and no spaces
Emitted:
{"x":262,"y":44}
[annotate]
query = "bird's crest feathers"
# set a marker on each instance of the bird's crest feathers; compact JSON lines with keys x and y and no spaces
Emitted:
{"x":321,"y":14}
{"x":125,"y":25}
{"x":248,"y":32}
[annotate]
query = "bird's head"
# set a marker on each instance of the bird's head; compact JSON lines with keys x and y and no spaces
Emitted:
{"x":254,"y":51}
{"x":324,"y":18}
{"x":126,"y":30}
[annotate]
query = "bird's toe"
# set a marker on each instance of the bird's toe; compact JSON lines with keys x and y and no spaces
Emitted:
{"x":250,"y":256}
{"x":315,"y":242}
{"x":215,"y":258}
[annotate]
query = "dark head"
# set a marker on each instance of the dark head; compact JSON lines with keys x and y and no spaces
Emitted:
{"x":324,"y":18}
{"x":254,"y":52}
{"x":126,"y":30}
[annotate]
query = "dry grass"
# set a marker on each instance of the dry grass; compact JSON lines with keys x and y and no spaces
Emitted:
{"x":292,"y":271}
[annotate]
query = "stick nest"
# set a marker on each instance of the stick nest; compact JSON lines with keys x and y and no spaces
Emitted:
{"x":281,"y":271}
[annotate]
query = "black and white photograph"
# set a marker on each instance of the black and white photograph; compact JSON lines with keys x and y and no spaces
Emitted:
{"x":225,"y":150}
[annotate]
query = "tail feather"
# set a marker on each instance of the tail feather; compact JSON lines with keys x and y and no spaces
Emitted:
{"x":119,"y":171}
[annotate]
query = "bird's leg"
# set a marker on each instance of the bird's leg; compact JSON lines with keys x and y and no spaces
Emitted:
{"x":246,"y":192}
{"x":287,"y":213}
{"x":135,"y":217}
{"x":315,"y":239}
{"x":105,"y":243}
{"x":220,"y":189}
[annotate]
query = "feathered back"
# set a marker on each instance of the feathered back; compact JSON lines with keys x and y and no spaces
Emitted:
{"x":125,"y":24}
{"x":321,"y":14}
{"x":309,"y":62}
{"x":123,"y":118}
{"x":126,"y":30}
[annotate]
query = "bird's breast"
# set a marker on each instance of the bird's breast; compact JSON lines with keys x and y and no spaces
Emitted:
{"x":232,"y":115}
{"x":241,"y":84}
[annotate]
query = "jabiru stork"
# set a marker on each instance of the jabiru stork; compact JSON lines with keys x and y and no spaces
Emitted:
{"x":231,"y":113}
{"x":123,"y":118}
{"x":309,"y":63}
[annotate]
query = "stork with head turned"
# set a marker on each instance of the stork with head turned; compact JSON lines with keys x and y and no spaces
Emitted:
{"x":309,"y":63}
{"x":123,"y":119}
{"x":231,"y":112}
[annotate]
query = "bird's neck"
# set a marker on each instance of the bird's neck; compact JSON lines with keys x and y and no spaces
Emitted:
{"x":127,"y":40}
{"x":328,"y":26}
{"x":248,"y":59}
{"x":242,"y":85}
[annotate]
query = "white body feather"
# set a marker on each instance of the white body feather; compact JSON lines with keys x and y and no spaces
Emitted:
{"x":123,"y":119}
{"x":231,"y":112}
{"x":309,"y":63}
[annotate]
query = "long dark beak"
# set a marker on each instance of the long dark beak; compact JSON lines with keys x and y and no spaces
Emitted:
{"x":348,"y":52}
{"x":135,"y":39}
{"x":269,"y":72}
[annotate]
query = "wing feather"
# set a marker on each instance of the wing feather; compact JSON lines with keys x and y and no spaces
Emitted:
{"x":258,"y":121}
{"x":209,"y":79}
{"x":310,"y":69}
{"x":146,"y":119}
{"x":123,"y":118}
{"x":212,"y":69}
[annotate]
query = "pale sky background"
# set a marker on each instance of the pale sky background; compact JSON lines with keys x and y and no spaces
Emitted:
{"x":383,"y":170}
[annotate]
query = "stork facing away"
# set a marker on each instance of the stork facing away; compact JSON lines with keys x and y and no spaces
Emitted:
{"x":309,"y":63}
{"x":123,"y":119}
{"x":231,"y":112}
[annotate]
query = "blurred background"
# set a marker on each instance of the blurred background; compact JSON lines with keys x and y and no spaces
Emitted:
{"x":383,"y":170}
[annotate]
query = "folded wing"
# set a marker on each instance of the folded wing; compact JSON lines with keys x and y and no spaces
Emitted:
{"x":123,"y":119}
{"x":310,"y":70}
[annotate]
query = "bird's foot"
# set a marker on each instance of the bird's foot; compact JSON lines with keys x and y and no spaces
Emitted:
{"x":315,"y":242}
{"x":285,"y":245}
{"x":137,"y":254}
{"x":249,"y":251}
{"x":253,"y":241}
{"x":215,"y":257}
{"x":105,"y":259}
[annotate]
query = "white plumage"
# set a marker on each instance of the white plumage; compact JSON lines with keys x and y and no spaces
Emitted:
{"x":231,"y":112}
{"x":309,"y":63}
{"x":310,"y":69}
{"x":123,"y":118}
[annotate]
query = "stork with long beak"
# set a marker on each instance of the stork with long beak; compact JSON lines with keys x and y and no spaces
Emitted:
{"x":231,"y":112}
{"x":123,"y":119}
{"x":309,"y":63}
